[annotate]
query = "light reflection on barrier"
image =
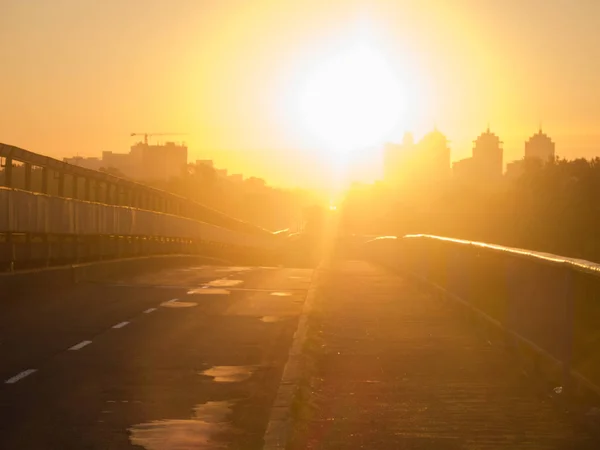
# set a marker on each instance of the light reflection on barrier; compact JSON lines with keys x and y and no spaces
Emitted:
{"x":547,"y":303}
{"x":40,"y":227}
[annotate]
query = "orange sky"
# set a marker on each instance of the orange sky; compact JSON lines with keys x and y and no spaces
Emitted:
{"x":77,"y":76}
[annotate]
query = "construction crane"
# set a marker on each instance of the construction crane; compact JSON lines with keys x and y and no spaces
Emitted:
{"x":155,"y":134}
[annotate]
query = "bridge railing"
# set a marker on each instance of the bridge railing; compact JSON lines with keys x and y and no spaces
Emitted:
{"x":39,"y":230}
{"x":52,"y":213}
{"x":549,"y":305}
{"x":32,"y":172}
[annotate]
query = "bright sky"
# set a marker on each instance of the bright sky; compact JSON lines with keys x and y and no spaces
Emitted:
{"x":78,"y":76}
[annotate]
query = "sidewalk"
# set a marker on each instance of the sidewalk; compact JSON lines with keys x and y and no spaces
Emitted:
{"x":392,"y":367}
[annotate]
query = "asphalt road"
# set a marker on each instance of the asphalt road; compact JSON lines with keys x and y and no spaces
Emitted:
{"x":182,"y":359}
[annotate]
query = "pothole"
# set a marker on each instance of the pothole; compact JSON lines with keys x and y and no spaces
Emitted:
{"x":270,"y":319}
{"x":229,"y":374}
{"x":224,"y":283}
{"x":233,"y":269}
{"x":199,"y":432}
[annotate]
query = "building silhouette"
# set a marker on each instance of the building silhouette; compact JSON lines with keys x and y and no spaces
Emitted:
{"x":540,"y":146}
{"x":396,"y":158}
{"x":464,"y":170}
{"x":434,"y":156}
{"x":205,"y":162}
{"x":487,"y":154}
{"x":539,"y":150}
{"x":159,"y":162}
{"x":143,"y":162}
{"x":485,"y":166}
{"x":123,"y":162}
{"x":418,"y":164}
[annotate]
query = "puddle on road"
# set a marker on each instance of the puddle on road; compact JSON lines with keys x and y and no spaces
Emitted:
{"x":229,"y":374}
{"x":123,"y":401}
{"x":224,"y":283}
{"x":178,"y":304}
{"x":293,"y":277}
{"x":197,"y":433}
{"x":281,"y":294}
{"x":208,"y":291}
{"x":271,"y":319}
{"x":233,"y":269}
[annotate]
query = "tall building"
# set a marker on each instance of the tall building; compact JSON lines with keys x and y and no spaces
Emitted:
{"x":159,"y":162}
{"x":540,"y":146}
{"x":396,"y":157}
{"x":486,"y":164}
{"x":143,"y":162}
{"x":423,"y":163}
{"x":464,"y":170}
{"x":121,"y":161}
{"x":487,"y":155}
{"x":434,"y":156}
{"x":539,"y":150}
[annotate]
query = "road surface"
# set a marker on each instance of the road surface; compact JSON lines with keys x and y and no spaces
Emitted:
{"x":181,"y":359}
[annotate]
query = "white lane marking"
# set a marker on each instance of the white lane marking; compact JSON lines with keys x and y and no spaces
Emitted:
{"x":208,"y":291}
{"x":149,"y":310}
{"x":172,"y":300}
{"x":80,"y":345}
{"x":120,"y":325}
{"x":20,"y":376}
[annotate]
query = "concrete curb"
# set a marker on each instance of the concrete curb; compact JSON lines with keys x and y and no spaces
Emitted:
{"x":280,"y":419}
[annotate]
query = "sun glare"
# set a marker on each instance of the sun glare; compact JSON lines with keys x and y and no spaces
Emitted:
{"x":352,"y":101}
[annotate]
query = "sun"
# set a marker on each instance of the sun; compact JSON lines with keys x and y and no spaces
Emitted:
{"x":352,"y":101}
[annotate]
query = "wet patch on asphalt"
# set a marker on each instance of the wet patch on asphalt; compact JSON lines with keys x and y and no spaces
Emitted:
{"x":224,"y":283}
{"x":200,"y":432}
{"x":229,"y":374}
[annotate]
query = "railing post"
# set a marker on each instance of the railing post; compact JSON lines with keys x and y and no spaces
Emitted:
{"x":86,"y":189}
{"x":27,"y":176}
{"x":61,"y":184}
{"x":44,"y":188}
{"x":108,"y":199}
{"x":117,"y":195}
{"x":8,"y":166}
{"x":99,"y":188}
{"x":75,"y":189}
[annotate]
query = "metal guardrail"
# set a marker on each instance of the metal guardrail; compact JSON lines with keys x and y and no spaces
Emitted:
{"x":92,"y":185}
{"x":547,"y":303}
{"x":41,"y":230}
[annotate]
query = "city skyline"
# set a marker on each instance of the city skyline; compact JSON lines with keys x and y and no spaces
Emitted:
{"x":112,"y":160}
{"x":459,"y":66}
